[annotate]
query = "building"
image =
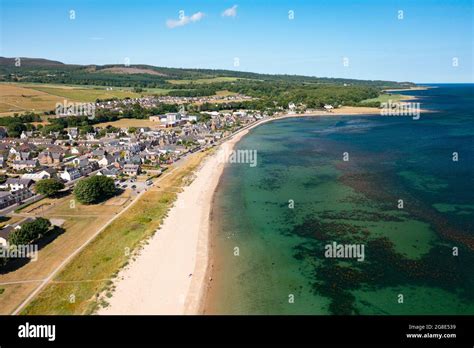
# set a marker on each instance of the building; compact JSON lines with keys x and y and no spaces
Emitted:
{"x":47,"y":173}
{"x":9,"y":198}
{"x":110,"y":172}
{"x":4,"y":234}
{"x":25,"y":165}
{"x":106,"y":160}
{"x":9,"y":229}
{"x":72,"y":133}
{"x":80,"y":161}
{"x":14,"y":184}
{"x":70,"y":174}
{"x":49,"y":157}
{"x":131,"y":169}
{"x":328,"y":107}
{"x":155,"y":118}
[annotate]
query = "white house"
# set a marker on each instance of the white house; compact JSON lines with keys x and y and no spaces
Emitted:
{"x":328,"y":107}
{"x":189,"y":118}
{"x":106,"y":160}
{"x":292,"y":108}
{"x":15,"y":184}
{"x":70,"y":174}
{"x":40,"y":175}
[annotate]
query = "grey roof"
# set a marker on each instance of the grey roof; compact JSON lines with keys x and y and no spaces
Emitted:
{"x":13,"y":181}
{"x":5,"y":232}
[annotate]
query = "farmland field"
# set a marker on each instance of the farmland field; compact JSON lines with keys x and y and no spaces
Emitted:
{"x":22,"y":97}
{"x":129,"y":122}
{"x":15,"y":98}
{"x":87,"y":94}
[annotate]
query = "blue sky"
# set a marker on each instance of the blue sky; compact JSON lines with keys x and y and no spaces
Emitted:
{"x":421,"y":47}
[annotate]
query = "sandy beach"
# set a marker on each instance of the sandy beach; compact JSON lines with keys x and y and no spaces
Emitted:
{"x":170,"y":274}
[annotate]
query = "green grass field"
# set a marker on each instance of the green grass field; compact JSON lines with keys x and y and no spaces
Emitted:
{"x":87,"y":94}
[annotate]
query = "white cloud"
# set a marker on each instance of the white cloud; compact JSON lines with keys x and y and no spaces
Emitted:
{"x":230,"y":12}
{"x":172,"y":23}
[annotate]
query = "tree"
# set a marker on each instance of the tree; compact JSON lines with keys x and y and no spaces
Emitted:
{"x":29,"y":231}
{"x":49,"y":187}
{"x":15,"y":129}
{"x":94,"y":189}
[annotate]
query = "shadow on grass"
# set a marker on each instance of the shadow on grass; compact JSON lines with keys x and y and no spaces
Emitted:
{"x":105,"y":198}
{"x":4,"y":218}
{"x":14,"y":264}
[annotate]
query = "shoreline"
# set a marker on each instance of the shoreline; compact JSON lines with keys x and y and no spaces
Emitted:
{"x":417,"y":88}
{"x":174,"y":268}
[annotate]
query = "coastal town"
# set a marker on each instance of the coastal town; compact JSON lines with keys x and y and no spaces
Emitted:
{"x":68,"y":173}
{"x":200,"y":172}
{"x":120,"y":154}
{"x":132,"y":156}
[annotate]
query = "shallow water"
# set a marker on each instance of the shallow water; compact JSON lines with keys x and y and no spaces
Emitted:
{"x":281,"y":266}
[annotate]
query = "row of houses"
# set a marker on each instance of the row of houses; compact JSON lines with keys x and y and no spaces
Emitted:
{"x":124,"y":152}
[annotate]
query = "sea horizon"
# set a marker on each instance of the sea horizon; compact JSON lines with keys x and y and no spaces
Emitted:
{"x":281,"y":268}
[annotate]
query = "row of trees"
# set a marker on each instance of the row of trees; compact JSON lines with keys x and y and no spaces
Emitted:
{"x":88,"y":190}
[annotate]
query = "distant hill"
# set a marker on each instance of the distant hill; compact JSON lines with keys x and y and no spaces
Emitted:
{"x":30,"y":62}
{"x":50,"y":71}
{"x":130,"y":70}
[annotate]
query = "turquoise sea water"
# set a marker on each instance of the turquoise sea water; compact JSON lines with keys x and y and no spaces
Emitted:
{"x":281,"y":266}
